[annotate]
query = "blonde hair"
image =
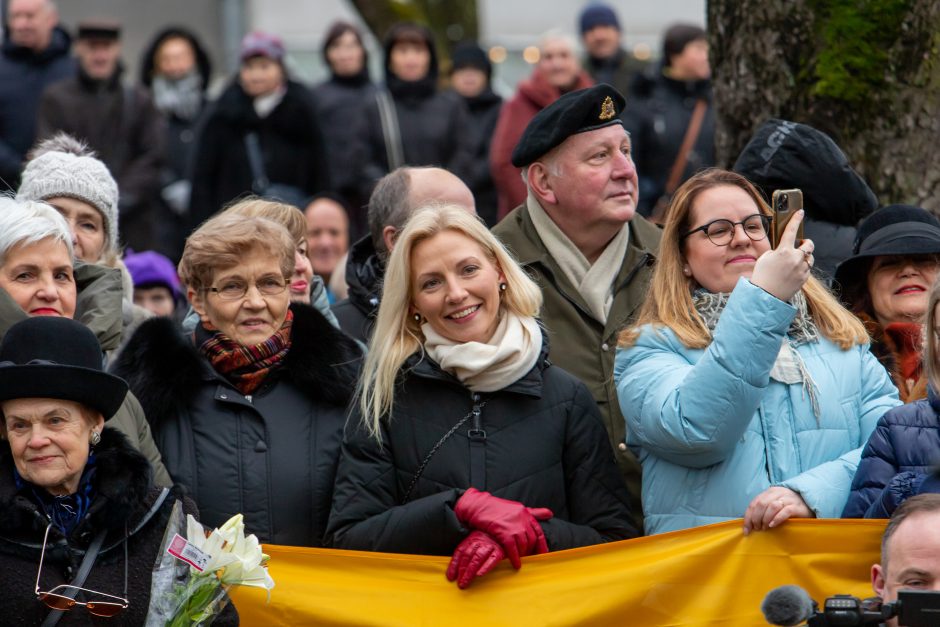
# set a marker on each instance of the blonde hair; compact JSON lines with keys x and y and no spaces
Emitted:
{"x":223,"y":241}
{"x":397,"y":335}
{"x":288,"y":216}
{"x":669,"y":299}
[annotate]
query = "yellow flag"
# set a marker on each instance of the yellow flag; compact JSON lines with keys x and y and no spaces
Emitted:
{"x":708,"y":576}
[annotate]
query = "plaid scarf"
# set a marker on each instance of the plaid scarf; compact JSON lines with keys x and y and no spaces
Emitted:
{"x":245,"y":367}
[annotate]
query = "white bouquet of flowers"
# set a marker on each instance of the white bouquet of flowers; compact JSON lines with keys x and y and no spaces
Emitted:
{"x":194,"y":571}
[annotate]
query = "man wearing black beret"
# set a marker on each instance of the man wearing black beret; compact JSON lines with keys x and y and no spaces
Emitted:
{"x":575,"y":235}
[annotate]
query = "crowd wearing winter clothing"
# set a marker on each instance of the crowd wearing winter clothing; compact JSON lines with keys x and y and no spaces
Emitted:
{"x":394,"y":317}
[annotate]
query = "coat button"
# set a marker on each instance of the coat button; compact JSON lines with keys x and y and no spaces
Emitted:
{"x":605,"y":347}
{"x":261,"y":447}
{"x":223,"y":396}
{"x":622,"y":446}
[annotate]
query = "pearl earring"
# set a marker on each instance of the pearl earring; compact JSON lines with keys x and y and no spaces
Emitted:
{"x":417,"y":318}
{"x":502,"y":287}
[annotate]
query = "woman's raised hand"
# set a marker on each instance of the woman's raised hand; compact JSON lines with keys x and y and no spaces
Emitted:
{"x":785,"y":269}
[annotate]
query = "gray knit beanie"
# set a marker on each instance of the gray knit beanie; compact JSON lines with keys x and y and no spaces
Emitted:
{"x":64,"y":166}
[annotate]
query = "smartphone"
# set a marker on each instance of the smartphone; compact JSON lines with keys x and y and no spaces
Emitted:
{"x":785,"y":203}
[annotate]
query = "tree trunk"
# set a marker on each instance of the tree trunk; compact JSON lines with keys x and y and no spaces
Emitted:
{"x":863,"y":71}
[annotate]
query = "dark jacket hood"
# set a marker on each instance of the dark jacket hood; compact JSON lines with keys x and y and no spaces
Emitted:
{"x":784,"y":154}
{"x":59,"y":45}
{"x":364,"y":275}
{"x":323,"y":362}
{"x":122,"y":482}
{"x":148,"y":59}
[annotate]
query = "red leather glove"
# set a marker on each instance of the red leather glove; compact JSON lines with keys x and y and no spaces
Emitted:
{"x":512,"y":524}
{"x":475,"y":556}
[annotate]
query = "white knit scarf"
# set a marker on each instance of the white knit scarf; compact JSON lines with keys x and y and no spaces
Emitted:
{"x":594,"y":282}
{"x":507,"y":357}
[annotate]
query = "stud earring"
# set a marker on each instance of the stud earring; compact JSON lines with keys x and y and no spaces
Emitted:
{"x":95,"y":438}
{"x":687,"y":271}
{"x":502,"y":287}
{"x":417,"y":318}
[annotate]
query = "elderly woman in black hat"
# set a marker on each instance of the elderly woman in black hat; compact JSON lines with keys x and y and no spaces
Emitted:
{"x":77,"y":503}
{"x":40,"y":276}
{"x":886,"y":284}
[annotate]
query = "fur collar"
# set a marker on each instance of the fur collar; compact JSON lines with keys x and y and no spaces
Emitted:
{"x":165,"y":371}
{"x":122,"y":484}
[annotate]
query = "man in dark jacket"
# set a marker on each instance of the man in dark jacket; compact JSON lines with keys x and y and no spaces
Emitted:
{"x":35,"y":54}
{"x":662,"y":106}
{"x":395,"y":197}
{"x":119,"y":123}
{"x":575,"y":235}
{"x":606,"y":61}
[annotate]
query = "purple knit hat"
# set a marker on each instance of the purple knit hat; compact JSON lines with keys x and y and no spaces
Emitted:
{"x":150,"y":269}
{"x":260,"y":44}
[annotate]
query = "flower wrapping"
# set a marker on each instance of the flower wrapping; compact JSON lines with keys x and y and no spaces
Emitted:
{"x":195,"y":568}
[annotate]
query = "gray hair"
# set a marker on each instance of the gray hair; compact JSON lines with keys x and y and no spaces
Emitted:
{"x":389,"y":205}
{"x":28,"y":222}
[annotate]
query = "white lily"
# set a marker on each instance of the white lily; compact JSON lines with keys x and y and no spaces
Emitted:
{"x":212,"y":545}
{"x":248,"y":565}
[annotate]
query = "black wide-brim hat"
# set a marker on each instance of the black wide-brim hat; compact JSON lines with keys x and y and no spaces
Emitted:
{"x":892,"y":230}
{"x":51,"y":357}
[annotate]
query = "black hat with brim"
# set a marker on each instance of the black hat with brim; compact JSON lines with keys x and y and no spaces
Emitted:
{"x":50,"y":357}
{"x":576,"y":112}
{"x":893,"y":230}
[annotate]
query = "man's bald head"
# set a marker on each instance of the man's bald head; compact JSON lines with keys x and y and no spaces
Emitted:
{"x":400,"y":192}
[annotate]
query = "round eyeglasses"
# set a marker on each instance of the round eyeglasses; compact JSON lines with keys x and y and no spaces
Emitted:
{"x":236,"y":289}
{"x":721,"y":232}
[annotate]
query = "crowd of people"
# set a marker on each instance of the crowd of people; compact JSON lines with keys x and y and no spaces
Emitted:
{"x":385,"y":317}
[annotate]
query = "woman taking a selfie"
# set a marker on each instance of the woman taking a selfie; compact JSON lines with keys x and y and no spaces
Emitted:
{"x":747,"y":389}
{"x":467,"y":440}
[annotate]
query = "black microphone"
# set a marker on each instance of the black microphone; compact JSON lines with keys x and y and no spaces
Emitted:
{"x":788,"y":606}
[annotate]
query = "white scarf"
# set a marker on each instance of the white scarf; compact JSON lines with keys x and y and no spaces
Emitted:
{"x":264,"y":105}
{"x":595,"y":282}
{"x":508,"y":356}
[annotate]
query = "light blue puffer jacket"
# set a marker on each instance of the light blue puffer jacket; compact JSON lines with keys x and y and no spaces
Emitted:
{"x":712,"y":430}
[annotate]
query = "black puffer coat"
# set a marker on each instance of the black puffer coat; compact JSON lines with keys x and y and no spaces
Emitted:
{"x":545,"y":446}
{"x":484,"y":113}
{"x":123,"y":497}
{"x":271,"y":456}
{"x":291,"y":146}
{"x":364,"y":275}
{"x":657,"y":116}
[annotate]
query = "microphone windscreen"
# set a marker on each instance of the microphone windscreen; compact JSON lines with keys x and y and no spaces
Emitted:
{"x":787,"y":606}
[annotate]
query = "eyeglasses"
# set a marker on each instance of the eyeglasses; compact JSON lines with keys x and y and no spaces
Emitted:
{"x":234,"y":289}
{"x":61,"y":602}
{"x":720,"y":232}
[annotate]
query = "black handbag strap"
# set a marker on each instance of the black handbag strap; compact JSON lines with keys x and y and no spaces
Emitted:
{"x":91,"y":554}
{"x":259,"y":177}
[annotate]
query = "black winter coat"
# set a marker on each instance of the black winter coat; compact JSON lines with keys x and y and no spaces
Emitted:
{"x":484,"y":113}
{"x":123,"y":500}
{"x":544,"y":446}
{"x":24,"y":75}
{"x":291,"y":145}
{"x":364,"y":275}
{"x":340,"y":103}
{"x":899,"y":460}
{"x":270,"y":456}
{"x":657,"y":116}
